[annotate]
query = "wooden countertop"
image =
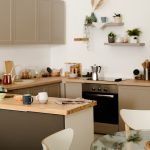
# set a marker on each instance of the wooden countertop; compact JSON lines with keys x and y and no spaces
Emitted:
{"x":131,"y":82}
{"x":53,"y":80}
{"x":50,"y":108}
{"x":36,"y":82}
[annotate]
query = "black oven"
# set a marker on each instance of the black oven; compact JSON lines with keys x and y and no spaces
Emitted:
{"x":106,"y":111}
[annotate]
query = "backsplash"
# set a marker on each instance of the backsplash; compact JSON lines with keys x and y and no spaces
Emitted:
{"x":25,"y":56}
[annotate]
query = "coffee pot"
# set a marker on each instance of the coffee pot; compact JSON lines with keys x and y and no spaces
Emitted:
{"x":95,"y":71}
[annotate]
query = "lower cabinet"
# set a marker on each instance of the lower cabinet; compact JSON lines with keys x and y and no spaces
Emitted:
{"x":133,"y":97}
{"x":25,"y":130}
{"x":73,"y":90}
{"x":53,"y":90}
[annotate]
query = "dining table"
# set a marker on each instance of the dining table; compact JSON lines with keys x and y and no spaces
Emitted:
{"x":132,"y":140}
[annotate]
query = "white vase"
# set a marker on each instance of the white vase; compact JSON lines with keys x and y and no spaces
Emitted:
{"x":134,"y":39}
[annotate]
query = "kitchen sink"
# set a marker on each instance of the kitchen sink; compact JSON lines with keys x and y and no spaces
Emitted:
{"x":25,"y":81}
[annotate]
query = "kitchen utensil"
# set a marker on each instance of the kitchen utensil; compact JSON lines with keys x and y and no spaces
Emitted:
{"x":95,"y":71}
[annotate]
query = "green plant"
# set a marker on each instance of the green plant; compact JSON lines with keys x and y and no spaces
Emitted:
{"x":134,"y":32}
{"x":90,"y":19}
{"x":117,"y":15}
{"x":111,"y":34}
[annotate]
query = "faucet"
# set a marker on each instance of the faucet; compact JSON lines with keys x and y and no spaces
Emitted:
{"x":13,"y":73}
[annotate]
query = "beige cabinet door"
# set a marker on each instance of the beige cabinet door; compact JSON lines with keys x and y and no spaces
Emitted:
{"x":24,"y":21}
{"x":5,"y":21}
{"x":44,"y":21}
{"x":58,"y":34}
{"x":133,"y":97}
{"x":73,"y":90}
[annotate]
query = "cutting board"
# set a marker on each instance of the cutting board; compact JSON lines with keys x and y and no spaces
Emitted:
{"x":8,"y":67}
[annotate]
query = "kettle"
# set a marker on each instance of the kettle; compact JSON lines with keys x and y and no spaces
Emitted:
{"x":95,"y":71}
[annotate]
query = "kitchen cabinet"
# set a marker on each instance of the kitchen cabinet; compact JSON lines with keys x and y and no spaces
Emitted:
{"x":133,"y":97}
{"x":24,"y":21}
{"x":5,"y":21}
{"x":32,"y":21}
{"x":53,"y":90}
{"x":73,"y":90}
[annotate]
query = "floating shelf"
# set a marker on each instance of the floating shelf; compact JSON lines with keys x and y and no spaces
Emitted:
{"x":81,"y":39}
{"x":109,"y":24}
{"x":125,"y":44}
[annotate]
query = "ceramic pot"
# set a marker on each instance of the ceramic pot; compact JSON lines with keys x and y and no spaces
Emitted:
{"x":134,"y":39}
{"x":111,"y":39}
{"x":117,"y":19}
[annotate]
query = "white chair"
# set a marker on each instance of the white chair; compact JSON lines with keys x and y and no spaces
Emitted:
{"x":136,"y":119}
{"x":58,"y":141}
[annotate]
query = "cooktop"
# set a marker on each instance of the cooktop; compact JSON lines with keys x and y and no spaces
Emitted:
{"x":107,"y":79}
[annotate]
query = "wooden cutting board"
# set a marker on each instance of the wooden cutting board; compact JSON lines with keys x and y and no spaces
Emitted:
{"x":8,"y":64}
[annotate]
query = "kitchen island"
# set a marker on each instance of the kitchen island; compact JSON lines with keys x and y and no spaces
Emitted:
{"x":24,"y":126}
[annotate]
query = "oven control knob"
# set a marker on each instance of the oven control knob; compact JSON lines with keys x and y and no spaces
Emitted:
{"x":105,"y":90}
{"x":99,"y":89}
{"x":93,"y":89}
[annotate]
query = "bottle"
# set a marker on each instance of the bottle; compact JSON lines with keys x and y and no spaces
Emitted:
{"x":5,"y":79}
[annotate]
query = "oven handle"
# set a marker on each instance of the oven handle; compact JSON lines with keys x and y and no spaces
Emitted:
{"x":103,"y":95}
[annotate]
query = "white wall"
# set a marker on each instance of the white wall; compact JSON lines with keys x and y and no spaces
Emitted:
{"x":116,"y":61}
{"x":28,"y":56}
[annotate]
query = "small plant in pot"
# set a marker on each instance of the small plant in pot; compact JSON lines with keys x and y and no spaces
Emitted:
{"x":134,"y":35}
{"x":117,"y":18}
{"x":90,"y":19}
{"x":111,"y":37}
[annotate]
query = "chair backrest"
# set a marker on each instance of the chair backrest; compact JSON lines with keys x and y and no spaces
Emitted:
{"x":136,"y":119}
{"x":58,"y":141}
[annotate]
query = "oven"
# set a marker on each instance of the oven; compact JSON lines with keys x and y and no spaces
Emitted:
{"x":106,"y":114}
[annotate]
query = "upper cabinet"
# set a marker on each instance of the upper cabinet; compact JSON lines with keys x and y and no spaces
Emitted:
{"x":32,"y":21}
{"x":24,"y":21}
{"x":5,"y":21}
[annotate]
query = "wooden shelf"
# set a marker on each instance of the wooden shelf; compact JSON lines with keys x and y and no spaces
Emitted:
{"x":81,"y":39}
{"x":109,"y":24}
{"x":125,"y":44}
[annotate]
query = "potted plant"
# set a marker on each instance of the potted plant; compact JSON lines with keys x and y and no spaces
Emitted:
{"x":117,"y":18}
{"x":134,"y":35}
{"x":90,"y":19}
{"x":111,"y":37}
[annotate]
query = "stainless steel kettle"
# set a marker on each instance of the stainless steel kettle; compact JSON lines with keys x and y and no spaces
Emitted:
{"x":95,"y":71}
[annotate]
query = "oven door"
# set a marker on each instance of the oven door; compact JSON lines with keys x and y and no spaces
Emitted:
{"x":106,"y":110}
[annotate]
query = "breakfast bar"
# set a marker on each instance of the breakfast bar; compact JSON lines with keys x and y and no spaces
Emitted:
{"x":24,"y":126}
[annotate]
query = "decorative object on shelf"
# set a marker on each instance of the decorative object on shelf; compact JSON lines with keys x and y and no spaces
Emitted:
{"x":125,"y":44}
{"x":111,"y":37}
{"x":104,"y":19}
{"x":117,"y":18}
{"x":134,"y":35}
{"x":125,"y":38}
{"x":119,"y":39}
{"x":90,"y":19}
